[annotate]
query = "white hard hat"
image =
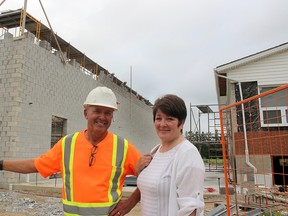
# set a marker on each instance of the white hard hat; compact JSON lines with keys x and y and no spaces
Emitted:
{"x":102,"y":96}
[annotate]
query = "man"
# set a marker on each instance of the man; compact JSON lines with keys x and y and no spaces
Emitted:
{"x":93,"y":162}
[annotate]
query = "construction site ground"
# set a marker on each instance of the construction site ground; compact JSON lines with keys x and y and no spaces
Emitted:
{"x":44,"y":199}
{"x":25,"y":203}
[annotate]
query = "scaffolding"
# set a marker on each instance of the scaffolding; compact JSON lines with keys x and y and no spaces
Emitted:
{"x":205,"y":134}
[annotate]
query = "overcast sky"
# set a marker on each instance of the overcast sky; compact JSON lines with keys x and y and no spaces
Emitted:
{"x":171,"y":45}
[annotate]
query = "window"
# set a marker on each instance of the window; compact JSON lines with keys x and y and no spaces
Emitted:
{"x":58,"y":129}
{"x":273,"y":107}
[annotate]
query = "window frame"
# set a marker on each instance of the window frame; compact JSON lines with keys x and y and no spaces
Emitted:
{"x":283,"y":110}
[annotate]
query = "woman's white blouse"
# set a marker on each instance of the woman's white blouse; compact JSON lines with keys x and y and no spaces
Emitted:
{"x":172,"y":184}
{"x":148,"y":183}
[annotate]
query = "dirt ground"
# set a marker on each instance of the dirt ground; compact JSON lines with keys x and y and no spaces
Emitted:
{"x":28,"y":204}
{"x":210,"y":201}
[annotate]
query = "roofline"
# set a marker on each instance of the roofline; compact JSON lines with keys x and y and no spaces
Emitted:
{"x":11,"y":19}
{"x":250,"y":58}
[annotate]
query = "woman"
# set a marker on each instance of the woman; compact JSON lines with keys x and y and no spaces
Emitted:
{"x":172,"y":182}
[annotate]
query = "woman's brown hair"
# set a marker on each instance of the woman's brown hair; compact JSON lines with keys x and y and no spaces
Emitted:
{"x":171,"y":105}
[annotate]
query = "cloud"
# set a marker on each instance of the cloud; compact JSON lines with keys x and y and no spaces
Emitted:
{"x":173,"y":46}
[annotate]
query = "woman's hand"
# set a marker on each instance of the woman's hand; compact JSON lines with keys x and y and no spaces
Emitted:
{"x":143,"y":162}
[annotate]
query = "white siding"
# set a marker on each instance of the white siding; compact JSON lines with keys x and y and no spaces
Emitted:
{"x":270,"y":70}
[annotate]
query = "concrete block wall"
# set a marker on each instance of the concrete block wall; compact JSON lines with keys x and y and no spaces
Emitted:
{"x":36,"y":85}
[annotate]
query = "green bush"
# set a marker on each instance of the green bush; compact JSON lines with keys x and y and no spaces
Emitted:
{"x":274,"y":214}
{"x":213,"y":161}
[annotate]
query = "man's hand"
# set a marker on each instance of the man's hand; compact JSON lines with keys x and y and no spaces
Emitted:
{"x":122,"y":208}
{"x":125,"y":205}
{"x":143,"y":162}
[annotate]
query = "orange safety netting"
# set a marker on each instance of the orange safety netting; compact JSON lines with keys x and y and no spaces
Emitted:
{"x":254,"y":141}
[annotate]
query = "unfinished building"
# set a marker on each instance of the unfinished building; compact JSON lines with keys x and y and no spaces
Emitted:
{"x":253,"y":92}
{"x":44,"y":81}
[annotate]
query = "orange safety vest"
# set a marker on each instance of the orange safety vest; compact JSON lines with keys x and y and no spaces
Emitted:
{"x":70,"y":206}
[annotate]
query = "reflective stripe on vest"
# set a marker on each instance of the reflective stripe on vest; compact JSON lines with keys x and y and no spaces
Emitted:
{"x":120,"y":147}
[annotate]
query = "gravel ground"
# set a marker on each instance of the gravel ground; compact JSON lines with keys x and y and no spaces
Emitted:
{"x":22,"y":204}
{"x":28,"y":204}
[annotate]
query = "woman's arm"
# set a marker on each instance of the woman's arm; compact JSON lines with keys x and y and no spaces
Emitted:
{"x":190,"y":174}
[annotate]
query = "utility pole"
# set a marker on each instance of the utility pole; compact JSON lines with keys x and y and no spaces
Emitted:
{"x":130,"y":92}
{"x":23,"y":18}
{"x":190,"y":109}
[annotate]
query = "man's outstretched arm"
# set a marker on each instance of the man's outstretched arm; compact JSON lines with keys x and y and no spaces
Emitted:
{"x":19,"y":166}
